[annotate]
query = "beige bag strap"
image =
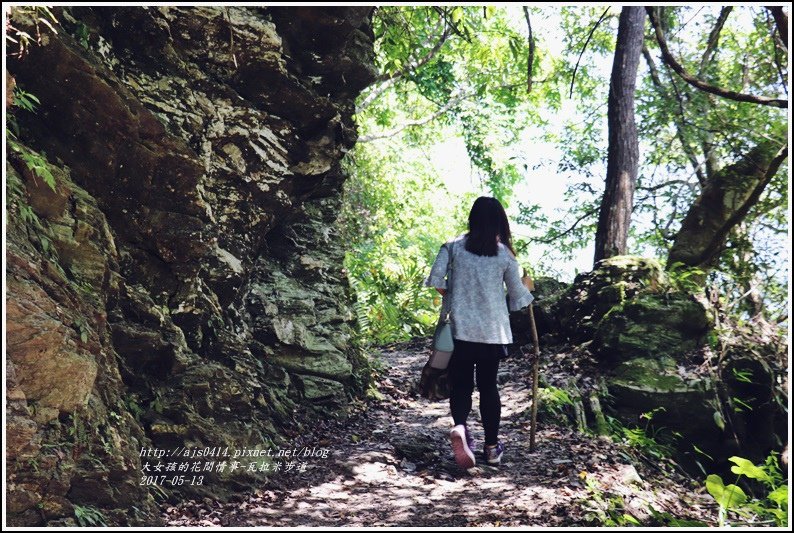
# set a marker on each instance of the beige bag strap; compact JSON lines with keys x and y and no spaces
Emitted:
{"x":448,"y":296}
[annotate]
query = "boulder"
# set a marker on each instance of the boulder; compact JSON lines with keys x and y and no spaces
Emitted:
{"x":651,"y":326}
{"x":645,"y":384}
{"x":664,"y":366}
{"x":547,"y":293}
{"x":571,"y":312}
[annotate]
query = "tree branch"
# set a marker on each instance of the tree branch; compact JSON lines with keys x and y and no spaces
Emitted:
{"x":745,"y":72}
{"x":531,"y":56}
{"x":776,"y":51}
{"x":714,"y":38}
{"x":710,"y":241}
{"x":666,"y":233}
{"x":586,"y":215}
{"x":654,"y":188}
{"x":453,"y":100}
{"x":654,"y":72}
{"x":771,"y":170}
{"x":387,"y":80}
{"x":590,"y":36}
{"x":455,"y":29}
{"x":679,"y":121}
{"x":411,"y":123}
{"x":700,"y":84}
{"x":375,"y":93}
{"x":422,"y":61}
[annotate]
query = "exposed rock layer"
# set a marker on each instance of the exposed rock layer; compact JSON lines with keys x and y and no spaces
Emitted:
{"x":182,"y":284}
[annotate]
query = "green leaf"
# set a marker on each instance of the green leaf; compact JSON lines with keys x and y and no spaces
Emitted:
{"x":701,"y":452}
{"x":38,"y":166}
{"x":780,"y":496}
{"x":741,"y":406}
{"x":12,"y":132}
{"x":631,"y":520}
{"x":728,"y":497}
{"x":742,"y":375}
{"x":719,"y":420}
{"x":744,"y":467}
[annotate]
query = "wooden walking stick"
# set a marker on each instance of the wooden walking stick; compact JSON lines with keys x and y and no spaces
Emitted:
{"x":534,"y":421}
{"x":530,"y":284}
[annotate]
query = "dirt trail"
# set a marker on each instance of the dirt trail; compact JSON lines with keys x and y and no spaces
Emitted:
{"x":390,"y":465}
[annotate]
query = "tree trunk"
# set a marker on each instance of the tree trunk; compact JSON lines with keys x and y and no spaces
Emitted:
{"x":623,"y":153}
{"x":724,"y":202}
{"x":781,"y":20}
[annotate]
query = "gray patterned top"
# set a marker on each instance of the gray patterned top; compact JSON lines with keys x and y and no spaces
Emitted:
{"x":477,"y":293}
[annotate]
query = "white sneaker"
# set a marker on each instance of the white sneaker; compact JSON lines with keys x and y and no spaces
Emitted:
{"x":460,"y":448}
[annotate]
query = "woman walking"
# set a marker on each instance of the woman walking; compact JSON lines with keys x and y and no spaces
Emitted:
{"x":484,"y":263}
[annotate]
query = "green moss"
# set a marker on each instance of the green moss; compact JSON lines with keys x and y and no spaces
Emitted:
{"x":632,"y":262}
{"x":652,"y":325}
{"x":650,"y":374}
{"x":616,"y":309}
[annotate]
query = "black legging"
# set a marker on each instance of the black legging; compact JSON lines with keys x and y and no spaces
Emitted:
{"x":485,"y":358}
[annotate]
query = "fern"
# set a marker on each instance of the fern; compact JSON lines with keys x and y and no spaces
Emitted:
{"x":36,"y":163}
{"x":38,"y":166}
{"x":89,"y":516}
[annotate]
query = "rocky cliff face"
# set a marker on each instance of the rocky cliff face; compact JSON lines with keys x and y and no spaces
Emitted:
{"x":181,"y":284}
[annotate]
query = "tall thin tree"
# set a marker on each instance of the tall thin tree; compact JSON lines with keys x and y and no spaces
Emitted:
{"x":623,"y":153}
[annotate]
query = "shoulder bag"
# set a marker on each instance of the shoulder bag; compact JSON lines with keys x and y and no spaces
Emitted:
{"x":434,"y":381}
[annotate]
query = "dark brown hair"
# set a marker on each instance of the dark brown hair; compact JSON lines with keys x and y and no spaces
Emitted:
{"x":487,"y":221}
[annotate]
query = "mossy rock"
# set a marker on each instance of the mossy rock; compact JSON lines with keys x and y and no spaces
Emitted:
{"x":644,"y":384}
{"x":651,"y":325}
{"x":320,"y":390}
{"x":332,"y":365}
{"x":641,"y":267}
{"x":546,"y":287}
{"x":547,"y":293}
{"x":612,"y":282}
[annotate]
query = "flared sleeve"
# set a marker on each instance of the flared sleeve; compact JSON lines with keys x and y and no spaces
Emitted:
{"x":518,"y":295}
{"x":438,"y":272}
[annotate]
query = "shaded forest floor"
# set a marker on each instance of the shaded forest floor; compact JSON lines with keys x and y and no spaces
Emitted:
{"x":390,"y":464}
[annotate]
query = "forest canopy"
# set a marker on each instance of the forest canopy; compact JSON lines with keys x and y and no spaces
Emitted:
{"x":512,"y":102}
